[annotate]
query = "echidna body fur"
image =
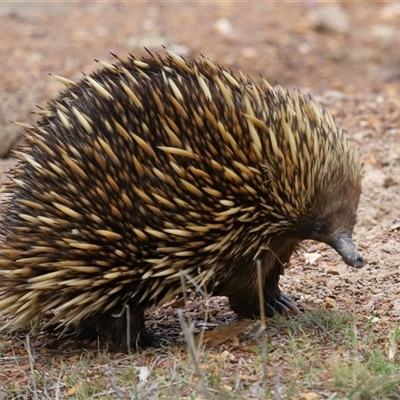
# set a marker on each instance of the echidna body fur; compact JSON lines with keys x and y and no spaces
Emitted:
{"x":149,"y":169}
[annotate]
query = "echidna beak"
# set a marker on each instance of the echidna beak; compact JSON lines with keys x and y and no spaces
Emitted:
{"x":348,"y":250}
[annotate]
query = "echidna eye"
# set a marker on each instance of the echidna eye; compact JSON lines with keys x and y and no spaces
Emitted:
{"x":319,"y":226}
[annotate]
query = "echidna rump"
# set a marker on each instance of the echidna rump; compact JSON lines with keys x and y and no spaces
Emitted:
{"x":151,"y":169}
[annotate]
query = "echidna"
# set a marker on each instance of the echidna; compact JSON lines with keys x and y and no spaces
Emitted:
{"x":151,"y":169}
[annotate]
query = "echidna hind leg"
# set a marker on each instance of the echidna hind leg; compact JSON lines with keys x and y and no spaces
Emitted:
{"x":124,"y":329}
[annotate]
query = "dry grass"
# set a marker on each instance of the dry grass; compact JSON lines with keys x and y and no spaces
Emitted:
{"x":323,"y":354}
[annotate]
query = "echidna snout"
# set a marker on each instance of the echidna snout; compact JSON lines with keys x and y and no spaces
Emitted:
{"x":336,"y":231}
{"x":345,"y":246}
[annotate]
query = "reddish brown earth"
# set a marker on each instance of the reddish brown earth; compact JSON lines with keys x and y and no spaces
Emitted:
{"x":354,"y":71}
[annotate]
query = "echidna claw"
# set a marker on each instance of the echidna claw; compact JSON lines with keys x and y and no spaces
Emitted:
{"x":162,"y":342}
{"x":147,"y":340}
{"x":281,"y":306}
{"x":270,"y":311}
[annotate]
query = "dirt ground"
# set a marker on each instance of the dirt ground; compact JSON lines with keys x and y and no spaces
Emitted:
{"x":345,"y":54}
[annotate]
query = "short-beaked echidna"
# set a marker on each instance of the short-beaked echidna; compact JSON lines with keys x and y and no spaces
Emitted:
{"x":155,"y":168}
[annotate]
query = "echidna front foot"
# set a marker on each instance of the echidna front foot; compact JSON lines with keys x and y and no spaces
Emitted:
{"x":279,"y":304}
{"x":282,"y":305}
{"x":276,"y":302}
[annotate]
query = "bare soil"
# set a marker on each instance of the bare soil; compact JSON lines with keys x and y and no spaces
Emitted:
{"x":354,"y":72}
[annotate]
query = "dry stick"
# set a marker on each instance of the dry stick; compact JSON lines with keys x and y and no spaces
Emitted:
{"x":185,"y":297}
{"x":262,"y":317}
{"x":196,"y":286}
{"x":202,"y":292}
{"x":261,"y":294}
{"x":128,"y":327}
{"x":277,"y":386}
{"x":115,"y":387}
{"x":31,"y":364}
{"x":237,"y":380}
{"x":183,"y":284}
{"x":171,"y":380}
{"x":126,"y":309}
{"x":57,"y":390}
{"x":188,"y":334}
{"x":393,"y":337}
{"x":193,"y":282}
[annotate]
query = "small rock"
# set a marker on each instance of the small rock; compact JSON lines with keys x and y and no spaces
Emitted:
{"x":329,"y":302}
{"x":336,"y":94}
{"x":5,"y":166}
{"x":142,"y":373}
{"x":391,"y":11}
{"x":9,"y":137}
{"x":250,"y":53}
{"x":226,"y":355}
{"x":149,"y":41}
{"x":224,"y":27}
{"x":389,"y":181}
{"x":390,"y":71}
{"x":310,"y":258}
{"x":375,"y":177}
{"x":32,"y":9}
{"x":227,"y":388}
{"x":180,"y":49}
{"x":395,"y":226}
{"x":330,"y":18}
{"x":309,"y":396}
{"x":333,"y":272}
{"x":386,"y":34}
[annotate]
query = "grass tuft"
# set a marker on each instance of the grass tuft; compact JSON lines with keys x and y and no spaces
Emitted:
{"x":316,"y":355}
